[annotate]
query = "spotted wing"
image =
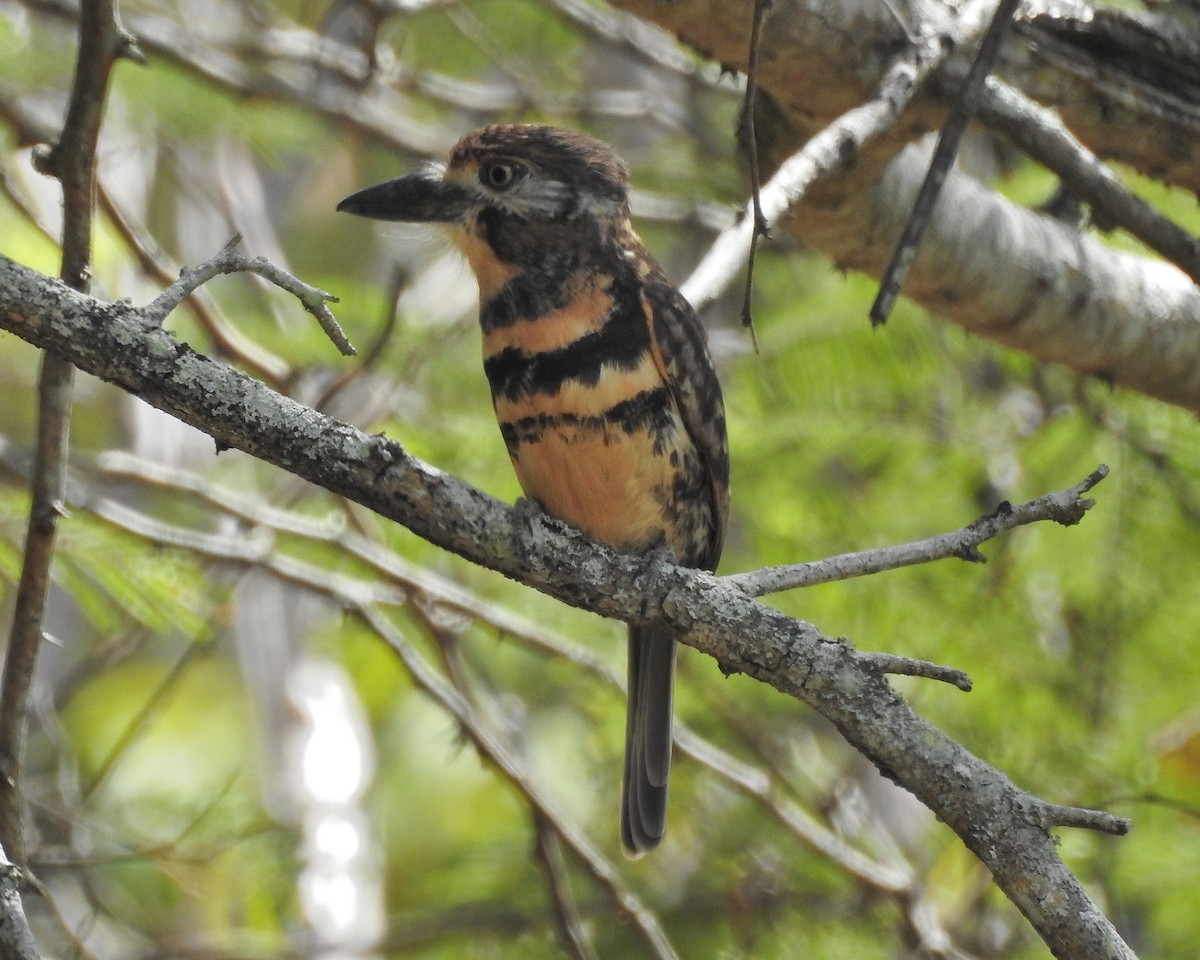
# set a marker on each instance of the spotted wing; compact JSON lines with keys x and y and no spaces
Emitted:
{"x":680,"y":347}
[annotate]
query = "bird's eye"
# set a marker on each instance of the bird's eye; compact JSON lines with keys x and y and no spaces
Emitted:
{"x":501,"y":174}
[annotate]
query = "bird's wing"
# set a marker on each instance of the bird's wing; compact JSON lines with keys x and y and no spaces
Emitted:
{"x":680,"y":347}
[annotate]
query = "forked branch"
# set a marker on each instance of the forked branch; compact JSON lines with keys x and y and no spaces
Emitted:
{"x":228,"y":260}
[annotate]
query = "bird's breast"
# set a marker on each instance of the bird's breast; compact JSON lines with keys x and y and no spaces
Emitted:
{"x":593,"y":429}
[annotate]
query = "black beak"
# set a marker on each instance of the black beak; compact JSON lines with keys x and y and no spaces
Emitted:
{"x":416,"y":198}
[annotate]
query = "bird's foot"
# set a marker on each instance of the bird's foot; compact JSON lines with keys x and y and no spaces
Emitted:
{"x":651,"y":566}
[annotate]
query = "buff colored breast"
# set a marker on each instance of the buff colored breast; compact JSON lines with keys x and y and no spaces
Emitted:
{"x":610,"y":483}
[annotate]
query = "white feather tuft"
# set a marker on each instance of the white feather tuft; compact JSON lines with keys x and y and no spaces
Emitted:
{"x":420,"y":242}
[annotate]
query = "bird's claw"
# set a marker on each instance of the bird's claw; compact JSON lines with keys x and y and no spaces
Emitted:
{"x":651,"y":566}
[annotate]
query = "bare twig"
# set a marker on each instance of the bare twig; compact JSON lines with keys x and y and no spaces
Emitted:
{"x":566,"y":914}
{"x":1055,"y":815}
{"x":25,"y":207}
{"x":1065,"y":507}
{"x":940,"y":164}
{"x":757,"y":783}
{"x":618,"y":27}
{"x":748,"y":134}
{"x":375,"y":348}
{"x":331,"y":529}
{"x":228,"y":260}
{"x":257,"y":550}
{"x":271,"y":368}
{"x":265,"y":364}
{"x":72,"y":160}
{"x":47,"y":484}
{"x":68,"y":929}
{"x":908,"y":667}
{"x":382,"y":115}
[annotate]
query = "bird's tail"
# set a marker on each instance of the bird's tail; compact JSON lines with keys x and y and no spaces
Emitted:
{"x":647,"y":739}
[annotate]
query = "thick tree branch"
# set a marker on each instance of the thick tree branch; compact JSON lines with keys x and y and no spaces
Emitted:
{"x":1042,"y":135}
{"x":834,"y":150}
{"x":1031,"y":282}
{"x":999,"y":270}
{"x":1112,"y":71}
{"x":1001,"y":824}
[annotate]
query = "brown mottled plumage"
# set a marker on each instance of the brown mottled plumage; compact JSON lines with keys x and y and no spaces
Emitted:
{"x":600,"y":375}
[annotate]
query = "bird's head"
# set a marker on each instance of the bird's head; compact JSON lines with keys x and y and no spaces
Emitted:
{"x":511,"y":193}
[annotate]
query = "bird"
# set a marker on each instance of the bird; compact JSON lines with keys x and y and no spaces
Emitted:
{"x":602,"y":382}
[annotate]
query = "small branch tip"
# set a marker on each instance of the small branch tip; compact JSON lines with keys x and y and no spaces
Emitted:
{"x":228,"y":260}
{"x":128,"y":49}
{"x":1049,"y":815}
{"x":908,"y":667}
{"x":1093,"y":478}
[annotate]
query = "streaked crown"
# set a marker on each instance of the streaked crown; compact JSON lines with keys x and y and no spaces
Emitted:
{"x":505,"y":153}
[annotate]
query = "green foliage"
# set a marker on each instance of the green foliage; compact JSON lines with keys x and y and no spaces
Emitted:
{"x":134,"y":720}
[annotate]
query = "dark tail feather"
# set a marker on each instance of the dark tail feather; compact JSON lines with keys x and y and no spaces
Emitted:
{"x":647,"y":739}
